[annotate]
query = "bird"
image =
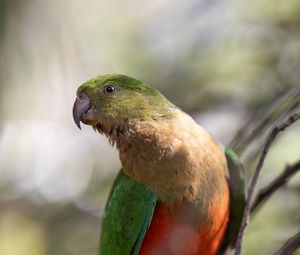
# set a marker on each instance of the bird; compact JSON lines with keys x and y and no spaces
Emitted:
{"x":173,"y":194}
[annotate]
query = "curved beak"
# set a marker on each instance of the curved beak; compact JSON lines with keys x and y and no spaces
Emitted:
{"x":81,"y":106}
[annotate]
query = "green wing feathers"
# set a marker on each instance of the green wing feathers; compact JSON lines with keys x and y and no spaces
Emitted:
{"x":128,"y":215}
{"x":237,"y":187}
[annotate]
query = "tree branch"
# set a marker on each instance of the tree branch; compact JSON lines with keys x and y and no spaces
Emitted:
{"x":276,"y":130}
{"x":276,"y":184}
{"x":290,"y":246}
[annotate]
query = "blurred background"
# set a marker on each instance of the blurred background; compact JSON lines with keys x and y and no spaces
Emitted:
{"x":218,"y":60}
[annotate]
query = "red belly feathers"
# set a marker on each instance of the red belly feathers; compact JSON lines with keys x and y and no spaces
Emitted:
{"x":181,"y":231}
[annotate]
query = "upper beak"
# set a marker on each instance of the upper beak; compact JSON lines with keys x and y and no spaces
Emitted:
{"x":81,"y":106}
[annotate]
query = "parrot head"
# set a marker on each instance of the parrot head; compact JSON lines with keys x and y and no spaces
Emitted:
{"x":110,"y":101}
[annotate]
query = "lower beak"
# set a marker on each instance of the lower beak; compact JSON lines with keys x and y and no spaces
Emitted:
{"x":81,"y":106}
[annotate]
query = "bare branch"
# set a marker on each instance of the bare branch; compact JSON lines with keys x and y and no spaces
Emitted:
{"x":276,"y":184}
{"x":271,"y":113}
{"x":290,"y":246}
{"x":276,"y":130}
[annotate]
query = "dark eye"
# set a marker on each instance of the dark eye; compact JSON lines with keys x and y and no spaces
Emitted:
{"x":109,"y":89}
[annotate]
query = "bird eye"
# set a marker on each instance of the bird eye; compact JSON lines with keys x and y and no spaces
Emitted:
{"x":109,"y":89}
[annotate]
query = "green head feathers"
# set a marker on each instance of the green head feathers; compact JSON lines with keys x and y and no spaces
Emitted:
{"x":112,"y":100}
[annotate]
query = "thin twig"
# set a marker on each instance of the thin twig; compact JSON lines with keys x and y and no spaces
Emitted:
{"x":277,"y":129}
{"x":290,"y":246}
{"x":276,"y":184}
{"x":271,"y":112}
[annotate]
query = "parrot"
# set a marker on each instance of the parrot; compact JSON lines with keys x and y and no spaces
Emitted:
{"x":178,"y":191}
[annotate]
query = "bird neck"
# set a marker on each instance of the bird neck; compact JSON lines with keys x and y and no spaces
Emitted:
{"x":175,"y":157}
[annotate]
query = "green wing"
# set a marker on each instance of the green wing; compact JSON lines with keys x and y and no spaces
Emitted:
{"x":238,"y":197}
{"x":128,"y":215}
